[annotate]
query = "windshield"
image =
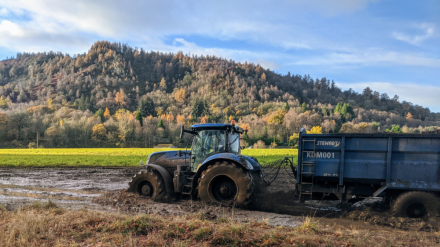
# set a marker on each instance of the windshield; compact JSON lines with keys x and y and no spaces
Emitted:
{"x":209,"y":141}
{"x":234,"y":143}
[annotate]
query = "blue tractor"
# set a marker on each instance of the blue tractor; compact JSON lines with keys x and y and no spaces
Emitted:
{"x":214,"y":170}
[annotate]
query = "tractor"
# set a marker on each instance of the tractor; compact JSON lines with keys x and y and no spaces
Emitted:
{"x":213,"y":171}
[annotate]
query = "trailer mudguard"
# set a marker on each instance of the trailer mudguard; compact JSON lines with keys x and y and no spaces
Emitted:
{"x":169,"y":186}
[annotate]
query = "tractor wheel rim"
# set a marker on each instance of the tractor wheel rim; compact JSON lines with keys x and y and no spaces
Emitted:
{"x":223,"y":188}
{"x":416,"y":210}
{"x":147,"y":190}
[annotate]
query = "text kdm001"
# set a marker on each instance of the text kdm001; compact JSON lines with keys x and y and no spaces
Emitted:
{"x":324,"y":155}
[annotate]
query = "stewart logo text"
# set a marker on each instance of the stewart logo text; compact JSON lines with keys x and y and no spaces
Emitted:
{"x":325,"y":155}
{"x":328,"y":143}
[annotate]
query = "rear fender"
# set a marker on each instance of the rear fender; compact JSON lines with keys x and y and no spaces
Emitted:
{"x":167,"y":178}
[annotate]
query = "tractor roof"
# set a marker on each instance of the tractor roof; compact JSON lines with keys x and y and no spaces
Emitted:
{"x":215,"y":126}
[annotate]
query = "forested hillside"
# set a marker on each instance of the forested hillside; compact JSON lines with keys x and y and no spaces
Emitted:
{"x":116,"y":95}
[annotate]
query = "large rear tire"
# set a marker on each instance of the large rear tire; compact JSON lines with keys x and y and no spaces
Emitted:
{"x":415,"y":204}
{"x":149,"y":184}
{"x":226,"y":183}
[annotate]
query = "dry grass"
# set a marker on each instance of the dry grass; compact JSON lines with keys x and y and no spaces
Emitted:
{"x":48,"y":225}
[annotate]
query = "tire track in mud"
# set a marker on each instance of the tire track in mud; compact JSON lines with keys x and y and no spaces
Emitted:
{"x":69,"y":187}
{"x":103,"y":188}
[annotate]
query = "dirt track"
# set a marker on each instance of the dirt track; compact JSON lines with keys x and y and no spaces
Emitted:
{"x":104,"y":189}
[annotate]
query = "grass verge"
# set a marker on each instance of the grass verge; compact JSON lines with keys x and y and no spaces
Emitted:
{"x":124,"y":157}
{"x":47,"y":225}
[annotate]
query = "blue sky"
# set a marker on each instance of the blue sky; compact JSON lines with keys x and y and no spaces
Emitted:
{"x":391,"y":46}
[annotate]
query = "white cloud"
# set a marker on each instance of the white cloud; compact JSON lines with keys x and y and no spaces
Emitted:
{"x":265,"y":59}
{"x":8,"y":28}
{"x":424,"y":95}
{"x":373,"y":57}
{"x":257,"y":21}
{"x":336,"y":7}
{"x":428,"y":31}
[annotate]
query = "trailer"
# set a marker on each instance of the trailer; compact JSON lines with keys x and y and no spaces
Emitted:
{"x":404,"y":169}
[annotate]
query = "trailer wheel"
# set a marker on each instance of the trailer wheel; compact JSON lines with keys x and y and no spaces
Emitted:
{"x":149,"y":184}
{"x":415,"y":204}
{"x":225,"y":183}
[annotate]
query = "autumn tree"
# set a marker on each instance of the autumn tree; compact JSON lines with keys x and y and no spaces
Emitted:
{"x":180,"y":119}
{"x":4,"y":102}
{"x":120,"y":98}
{"x":179,"y":95}
{"x":294,"y":138}
{"x":204,"y":120}
{"x":278,"y":117}
{"x":99,"y":133}
{"x":107,"y":114}
{"x":315,"y":130}
{"x":163,"y":84}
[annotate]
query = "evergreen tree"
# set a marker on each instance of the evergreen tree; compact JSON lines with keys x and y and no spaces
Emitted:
{"x":304,"y":106}
{"x":100,"y":113}
{"x":146,"y":107}
{"x":200,"y":109}
{"x":139,"y":118}
{"x":160,"y":124}
{"x":287,"y":107}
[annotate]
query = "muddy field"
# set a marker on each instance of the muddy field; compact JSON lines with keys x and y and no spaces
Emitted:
{"x":104,"y":189}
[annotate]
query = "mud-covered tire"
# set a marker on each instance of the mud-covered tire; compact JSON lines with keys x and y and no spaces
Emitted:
{"x":149,"y":183}
{"x":226,"y":183}
{"x":415,"y":204}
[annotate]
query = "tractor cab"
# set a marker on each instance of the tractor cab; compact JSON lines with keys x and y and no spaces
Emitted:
{"x":213,"y":171}
{"x":211,"y":139}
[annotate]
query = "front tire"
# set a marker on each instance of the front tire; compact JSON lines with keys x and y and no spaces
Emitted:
{"x":226,"y":183}
{"x":149,"y":184}
{"x":416,"y":204}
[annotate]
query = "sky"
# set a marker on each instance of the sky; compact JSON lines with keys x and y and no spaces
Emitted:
{"x":390,"y":46}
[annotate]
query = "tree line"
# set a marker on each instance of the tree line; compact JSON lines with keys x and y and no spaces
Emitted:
{"x":116,"y":95}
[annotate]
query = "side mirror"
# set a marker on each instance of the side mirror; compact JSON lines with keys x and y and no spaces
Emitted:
{"x":181,"y":131}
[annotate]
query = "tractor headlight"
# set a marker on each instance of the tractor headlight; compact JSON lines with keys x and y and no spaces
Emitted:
{"x":249,"y":165}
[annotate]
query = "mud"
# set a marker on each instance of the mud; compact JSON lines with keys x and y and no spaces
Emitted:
{"x":104,"y":189}
{"x":70,"y":187}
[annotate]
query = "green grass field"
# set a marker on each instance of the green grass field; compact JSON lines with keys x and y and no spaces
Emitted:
{"x":108,"y":156}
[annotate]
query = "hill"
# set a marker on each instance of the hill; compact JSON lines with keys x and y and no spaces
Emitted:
{"x":117,"y":95}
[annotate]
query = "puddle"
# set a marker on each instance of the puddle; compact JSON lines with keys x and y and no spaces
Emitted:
{"x":71,"y":187}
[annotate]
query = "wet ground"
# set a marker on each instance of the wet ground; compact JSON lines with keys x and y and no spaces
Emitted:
{"x":104,"y":189}
{"x":70,"y":187}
